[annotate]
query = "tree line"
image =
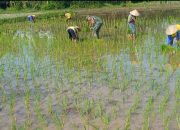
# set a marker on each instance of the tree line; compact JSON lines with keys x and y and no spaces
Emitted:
{"x":38,"y":5}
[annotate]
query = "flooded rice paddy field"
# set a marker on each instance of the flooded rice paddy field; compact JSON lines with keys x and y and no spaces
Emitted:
{"x":47,"y":82}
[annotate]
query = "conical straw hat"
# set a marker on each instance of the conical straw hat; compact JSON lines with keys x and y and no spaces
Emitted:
{"x":68,"y":15}
{"x":134,"y":13}
{"x":172,"y":29}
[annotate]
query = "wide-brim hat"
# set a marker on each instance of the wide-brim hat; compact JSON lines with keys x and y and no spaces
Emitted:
{"x":34,"y":15}
{"x":67,"y":15}
{"x":134,"y":13}
{"x":172,"y":29}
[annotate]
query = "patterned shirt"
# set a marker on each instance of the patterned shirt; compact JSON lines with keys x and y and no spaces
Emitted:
{"x":131,"y":19}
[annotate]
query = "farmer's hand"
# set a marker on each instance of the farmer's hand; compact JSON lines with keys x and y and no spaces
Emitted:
{"x":91,"y":28}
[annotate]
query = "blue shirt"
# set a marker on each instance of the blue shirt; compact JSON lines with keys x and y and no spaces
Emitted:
{"x":31,"y":18}
{"x":178,"y":35}
{"x":170,"y":38}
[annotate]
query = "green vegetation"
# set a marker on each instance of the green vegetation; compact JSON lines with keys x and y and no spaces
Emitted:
{"x":25,"y":6}
{"x":48,"y":82}
{"x":49,"y":5}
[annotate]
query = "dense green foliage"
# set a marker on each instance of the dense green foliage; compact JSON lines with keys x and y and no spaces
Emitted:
{"x":46,"y":5}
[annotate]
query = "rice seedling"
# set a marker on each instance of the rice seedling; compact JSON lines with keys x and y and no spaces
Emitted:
{"x":3,"y":95}
{"x":146,"y":114}
{"x":164,"y":102}
{"x":178,"y":121}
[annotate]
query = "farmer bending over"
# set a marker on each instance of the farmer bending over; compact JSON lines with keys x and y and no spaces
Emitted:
{"x":68,"y":16}
{"x":73,"y":33}
{"x":131,"y":24}
{"x":95,"y":24}
{"x":173,"y":34}
{"x":31,"y":18}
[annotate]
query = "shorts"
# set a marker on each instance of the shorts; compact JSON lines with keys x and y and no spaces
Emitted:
{"x":72,"y":34}
{"x":131,"y":28}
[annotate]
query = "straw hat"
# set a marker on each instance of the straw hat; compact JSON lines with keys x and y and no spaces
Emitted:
{"x":34,"y":15}
{"x":172,"y":29}
{"x":134,"y":13}
{"x":68,"y":15}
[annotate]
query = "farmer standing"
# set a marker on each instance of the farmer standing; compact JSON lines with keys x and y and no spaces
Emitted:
{"x":173,"y":34}
{"x":31,"y":18}
{"x":73,"y":33}
{"x":95,"y":24}
{"x":131,"y":24}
